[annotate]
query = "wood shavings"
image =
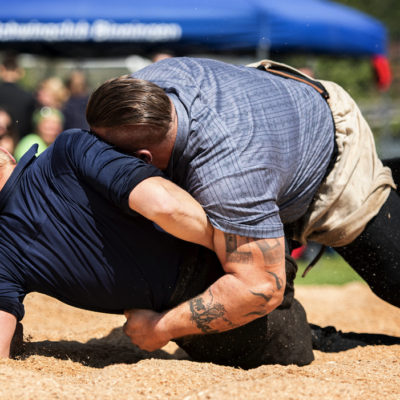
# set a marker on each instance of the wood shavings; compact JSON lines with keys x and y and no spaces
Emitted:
{"x":76,"y":354}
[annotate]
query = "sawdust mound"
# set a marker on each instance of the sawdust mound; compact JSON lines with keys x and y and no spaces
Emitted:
{"x":282,"y":388}
{"x":75,"y":354}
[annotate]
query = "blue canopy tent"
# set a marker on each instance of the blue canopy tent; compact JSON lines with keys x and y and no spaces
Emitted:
{"x":319,"y":26}
{"x":323,"y":27}
{"x":90,"y":28}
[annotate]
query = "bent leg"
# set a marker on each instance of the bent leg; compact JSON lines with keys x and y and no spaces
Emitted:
{"x":375,"y":254}
{"x":281,"y":337}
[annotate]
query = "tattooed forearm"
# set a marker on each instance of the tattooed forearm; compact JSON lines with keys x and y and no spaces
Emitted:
{"x":272,"y":254}
{"x":265,"y":297}
{"x":279,"y":281}
{"x":233,"y":254}
{"x":260,"y":313}
{"x":203,"y":314}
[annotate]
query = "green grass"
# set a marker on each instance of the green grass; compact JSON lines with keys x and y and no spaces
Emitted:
{"x":330,"y":270}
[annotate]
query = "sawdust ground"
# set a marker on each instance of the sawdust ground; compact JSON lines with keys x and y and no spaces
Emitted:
{"x":75,"y":354}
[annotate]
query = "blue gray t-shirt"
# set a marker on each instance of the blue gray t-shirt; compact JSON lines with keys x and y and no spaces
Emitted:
{"x":252,"y":148}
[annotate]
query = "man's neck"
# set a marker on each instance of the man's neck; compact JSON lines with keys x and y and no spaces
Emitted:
{"x":6,"y":172}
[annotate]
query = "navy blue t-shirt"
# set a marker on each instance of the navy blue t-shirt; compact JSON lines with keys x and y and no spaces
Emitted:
{"x":66,"y":230}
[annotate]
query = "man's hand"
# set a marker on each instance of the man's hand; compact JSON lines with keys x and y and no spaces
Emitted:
{"x":170,"y":207}
{"x":143,"y":329}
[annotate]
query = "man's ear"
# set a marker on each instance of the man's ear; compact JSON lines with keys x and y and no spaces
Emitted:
{"x":144,"y":155}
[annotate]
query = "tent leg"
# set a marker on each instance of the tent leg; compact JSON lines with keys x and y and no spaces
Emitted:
{"x":262,"y":52}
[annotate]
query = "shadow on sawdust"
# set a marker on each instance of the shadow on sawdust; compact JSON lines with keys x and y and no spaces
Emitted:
{"x":114,"y":348}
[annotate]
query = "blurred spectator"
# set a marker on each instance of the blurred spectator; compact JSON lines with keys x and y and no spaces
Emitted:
{"x":161,"y":54}
{"x":8,"y":132}
{"x":298,"y":253}
{"x":52,"y":93}
{"x":75,"y":107}
{"x":48,"y":125}
{"x":19,"y":103}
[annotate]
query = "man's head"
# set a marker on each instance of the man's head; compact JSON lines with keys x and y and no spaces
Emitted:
{"x":134,"y":115}
{"x":9,"y":69}
{"x":48,"y":124}
{"x":76,"y":83}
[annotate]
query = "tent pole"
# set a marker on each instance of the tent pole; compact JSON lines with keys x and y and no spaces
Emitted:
{"x":263,"y":48}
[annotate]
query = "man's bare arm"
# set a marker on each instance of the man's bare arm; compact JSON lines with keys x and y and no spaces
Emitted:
{"x":172,"y":209}
{"x":252,"y":287}
{"x":8,"y":323}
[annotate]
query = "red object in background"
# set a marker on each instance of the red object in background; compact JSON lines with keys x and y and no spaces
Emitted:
{"x":382,"y":72}
{"x":297,"y":253}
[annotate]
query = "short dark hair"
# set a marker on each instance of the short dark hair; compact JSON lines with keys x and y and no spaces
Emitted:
{"x":10,"y":62}
{"x":128,"y":101}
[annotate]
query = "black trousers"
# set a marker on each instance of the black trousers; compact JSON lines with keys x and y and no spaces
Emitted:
{"x":375,"y":254}
{"x":281,"y":337}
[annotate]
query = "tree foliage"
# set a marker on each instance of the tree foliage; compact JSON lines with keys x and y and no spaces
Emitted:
{"x":387,"y":11}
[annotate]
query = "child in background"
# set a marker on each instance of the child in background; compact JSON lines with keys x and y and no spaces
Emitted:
{"x":52,"y":93}
{"x":48,"y":124}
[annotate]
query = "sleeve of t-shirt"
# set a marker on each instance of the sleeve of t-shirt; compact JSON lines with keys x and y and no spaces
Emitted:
{"x":105,"y":168}
{"x":11,"y":295}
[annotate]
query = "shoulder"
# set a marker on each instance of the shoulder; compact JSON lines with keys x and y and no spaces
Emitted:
{"x":68,"y":145}
{"x":73,"y":137}
{"x":73,"y":141}
{"x":171,"y":69}
{"x":82,"y":150}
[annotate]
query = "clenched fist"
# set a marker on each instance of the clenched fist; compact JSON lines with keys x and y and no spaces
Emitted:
{"x":143,"y":328}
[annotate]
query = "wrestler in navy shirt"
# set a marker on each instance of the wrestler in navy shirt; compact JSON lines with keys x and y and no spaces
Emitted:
{"x":67,"y":231}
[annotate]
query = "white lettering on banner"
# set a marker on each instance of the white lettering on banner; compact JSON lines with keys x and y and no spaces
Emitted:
{"x":82,"y":31}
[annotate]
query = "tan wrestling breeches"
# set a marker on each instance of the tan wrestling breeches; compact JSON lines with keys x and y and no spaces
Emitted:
{"x":358,"y":185}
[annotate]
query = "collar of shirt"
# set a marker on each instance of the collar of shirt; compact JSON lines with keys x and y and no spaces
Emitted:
{"x":15,"y":177}
{"x":181,"y":136}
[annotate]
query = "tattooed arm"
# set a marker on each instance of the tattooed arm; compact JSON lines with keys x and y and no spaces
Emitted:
{"x":252,"y":287}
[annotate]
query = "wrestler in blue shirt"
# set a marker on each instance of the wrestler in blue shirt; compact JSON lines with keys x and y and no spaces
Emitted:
{"x":73,"y":227}
{"x":69,"y":229}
